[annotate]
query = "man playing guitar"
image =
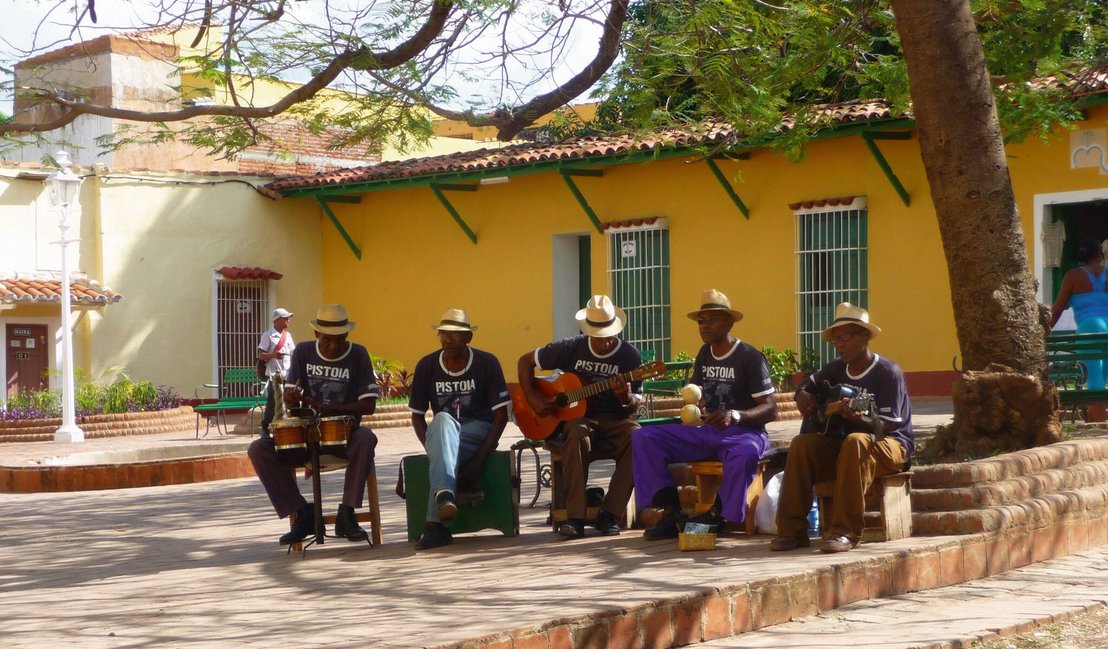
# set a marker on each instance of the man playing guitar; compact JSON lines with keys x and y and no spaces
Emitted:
{"x":597,"y":355}
{"x":853,"y":460}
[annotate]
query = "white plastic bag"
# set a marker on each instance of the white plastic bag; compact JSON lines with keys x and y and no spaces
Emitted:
{"x":765,"y":512}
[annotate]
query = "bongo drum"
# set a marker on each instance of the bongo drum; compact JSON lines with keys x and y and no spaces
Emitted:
{"x":290,"y":438}
{"x":334,"y":433}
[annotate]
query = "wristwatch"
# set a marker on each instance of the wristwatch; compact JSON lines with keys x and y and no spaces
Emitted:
{"x":736,"y":416}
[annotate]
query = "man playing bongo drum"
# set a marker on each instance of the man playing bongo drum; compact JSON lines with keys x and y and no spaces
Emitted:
{"x":334,"y":377}
{"x":466,"y":391}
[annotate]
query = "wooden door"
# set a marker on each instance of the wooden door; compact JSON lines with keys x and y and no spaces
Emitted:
{"x":28,"y":357}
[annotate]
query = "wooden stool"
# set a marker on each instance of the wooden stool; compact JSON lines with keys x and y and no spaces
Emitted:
{"x":707,"y":476}
{"x":558,"y":514}
{"x":494,"y":504}
{"x":893,"y":518}
{"x":371,"y":513}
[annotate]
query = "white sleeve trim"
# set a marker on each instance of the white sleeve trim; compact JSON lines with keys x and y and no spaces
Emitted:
{"x":764,"y":393}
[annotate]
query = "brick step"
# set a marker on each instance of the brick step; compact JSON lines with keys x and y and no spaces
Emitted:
{"x":1049,"y":508}
{"x":1010,"y":465}
{"x":1012,"y":490}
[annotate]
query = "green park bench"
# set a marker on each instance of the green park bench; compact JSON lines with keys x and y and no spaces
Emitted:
{"x":217,"y":412}
{"x":1066,"y":354}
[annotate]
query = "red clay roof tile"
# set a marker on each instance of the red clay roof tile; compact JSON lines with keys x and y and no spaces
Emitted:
{"x":46,"y":287}
{"x":248,"y":272}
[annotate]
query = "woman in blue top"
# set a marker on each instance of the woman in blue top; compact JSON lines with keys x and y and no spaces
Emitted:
{"x":1083,"y":289}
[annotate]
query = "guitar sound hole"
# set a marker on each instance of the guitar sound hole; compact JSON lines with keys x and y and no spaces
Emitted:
{"x":561,"y":401}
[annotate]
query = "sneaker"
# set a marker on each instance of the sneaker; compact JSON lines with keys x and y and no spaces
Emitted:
{"x":606,"y":523}
{"x":446,"y":505}
{"x":787,"y":543}
{"x":837,"y":544}
{"x":302,"y":528}
{"x":573,"y":528}
{"x":664,"y":529}
{"x":435,"y":535}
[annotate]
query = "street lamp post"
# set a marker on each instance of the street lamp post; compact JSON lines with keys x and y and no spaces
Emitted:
{"x":64,"y":186}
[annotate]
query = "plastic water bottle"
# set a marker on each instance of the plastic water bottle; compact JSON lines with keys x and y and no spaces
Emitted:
{"x":813,"y":519}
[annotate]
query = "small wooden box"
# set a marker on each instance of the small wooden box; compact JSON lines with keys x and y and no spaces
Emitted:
{"x":690,"y":542}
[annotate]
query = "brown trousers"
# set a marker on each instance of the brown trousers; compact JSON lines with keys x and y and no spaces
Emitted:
{"x":607,"y":436}
{"x":853,"y":463}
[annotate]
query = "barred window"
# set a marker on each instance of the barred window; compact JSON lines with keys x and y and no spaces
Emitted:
{"x":832,"y":266}
{"x":638,"y":272}
{"x":242,"y":310}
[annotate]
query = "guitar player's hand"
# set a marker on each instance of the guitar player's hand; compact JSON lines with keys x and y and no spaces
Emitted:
{"x":805,"y":402}
{"x":849,"y":414}
{"x":622,"y":390}
{"x":541,"y":404}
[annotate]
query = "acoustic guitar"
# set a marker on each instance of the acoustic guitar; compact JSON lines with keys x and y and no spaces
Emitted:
{"x":569,"y":394}
{"x":826,"y":420}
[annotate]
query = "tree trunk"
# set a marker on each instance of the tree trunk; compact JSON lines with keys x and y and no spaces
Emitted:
{"x":996,"y":314}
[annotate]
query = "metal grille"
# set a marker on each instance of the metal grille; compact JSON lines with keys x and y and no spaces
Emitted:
{"x":638,"y":272}
{"x":831,"y":267}
{"x":240,"y":320}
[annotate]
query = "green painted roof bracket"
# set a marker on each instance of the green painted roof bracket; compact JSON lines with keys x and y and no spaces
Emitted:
{"x":450,"y":208}
{"x":338,"y":226}
{"x":728,"y":188}
{"x":567,"y":175}
{"x":868,"y":137}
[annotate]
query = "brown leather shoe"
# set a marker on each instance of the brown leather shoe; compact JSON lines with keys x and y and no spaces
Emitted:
{"x":836,"y":544}
{"x":786,"y":543}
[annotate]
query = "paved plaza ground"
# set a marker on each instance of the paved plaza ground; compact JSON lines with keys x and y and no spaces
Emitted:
{"x":198,"y":565}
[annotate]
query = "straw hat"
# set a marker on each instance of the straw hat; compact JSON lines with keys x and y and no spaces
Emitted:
{"x":713,"y":300}
{"x":847,"y":313}
{"x":331,"y":320}
{"x":600,"y":318}
{"x":454,"y":320}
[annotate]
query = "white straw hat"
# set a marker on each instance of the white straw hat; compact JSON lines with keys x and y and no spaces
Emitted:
{"x":600,"y":318}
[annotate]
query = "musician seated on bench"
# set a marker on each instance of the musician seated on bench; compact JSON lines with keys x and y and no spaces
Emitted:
{"x":466,"y":391}
{"x":334,"y":377}
{"x":737,"y":402}
{"x":853,"y":440}
{"x":598,"y":355}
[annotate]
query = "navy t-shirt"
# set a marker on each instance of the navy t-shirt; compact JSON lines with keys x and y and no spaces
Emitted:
{"x":575,"y":355}
{"x":733,"y":381}
{"x":470,"y":394}
{"x":345,"y":379}
{"x":885,"y":381}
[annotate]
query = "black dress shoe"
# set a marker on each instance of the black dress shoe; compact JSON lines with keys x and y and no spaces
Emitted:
{"x":710,"y":517}
{"x":446,"y":505}
{"x":606,"y":523}
{"x":434,"y":535}
{"x":302,"y":528}
{"x":346,"y":525}
{"x":664,"y":529}
{"x":573,"y":528}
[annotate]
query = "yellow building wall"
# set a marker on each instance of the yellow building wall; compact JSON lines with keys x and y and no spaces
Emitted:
{"x":417,"y":262}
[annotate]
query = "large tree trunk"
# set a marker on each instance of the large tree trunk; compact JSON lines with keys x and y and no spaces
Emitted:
{"x":996,"y":314}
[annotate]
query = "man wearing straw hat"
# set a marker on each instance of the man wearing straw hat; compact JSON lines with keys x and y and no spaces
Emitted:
{"x":596,"y":355}
{"x":737,"y":402}
{"x":870,"y":449}
{"x":335,"y":378}
{"x":466,"y":391}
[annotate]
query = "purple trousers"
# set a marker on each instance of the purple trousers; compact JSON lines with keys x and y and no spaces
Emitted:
{"x":280,"y":482}
{"x":654,"y":448}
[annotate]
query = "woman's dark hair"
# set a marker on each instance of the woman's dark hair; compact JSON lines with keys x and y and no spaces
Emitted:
{"x":1089,"y":249}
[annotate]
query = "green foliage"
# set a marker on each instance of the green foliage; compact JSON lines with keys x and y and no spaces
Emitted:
{"x":677,"y":375}
{"x":393,"y":380}
{"x":750,"y":63}
{"x":784,"y":363}
{"x":96,"y":396}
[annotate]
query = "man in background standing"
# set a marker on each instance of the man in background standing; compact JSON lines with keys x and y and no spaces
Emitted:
{"x":275,"y":348}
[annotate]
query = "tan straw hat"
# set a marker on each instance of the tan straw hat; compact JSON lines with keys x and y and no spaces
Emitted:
{"x":600,"y":318}
{"x":331,"y":320}
{"x":846,"y":314}
{"x":713,"y":300}
{"x":454,"y":320}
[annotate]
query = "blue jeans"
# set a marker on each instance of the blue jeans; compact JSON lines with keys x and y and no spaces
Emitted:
{"x":449,"y":444}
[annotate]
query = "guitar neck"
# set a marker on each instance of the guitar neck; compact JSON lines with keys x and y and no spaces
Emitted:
{"x":593,"y":389}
